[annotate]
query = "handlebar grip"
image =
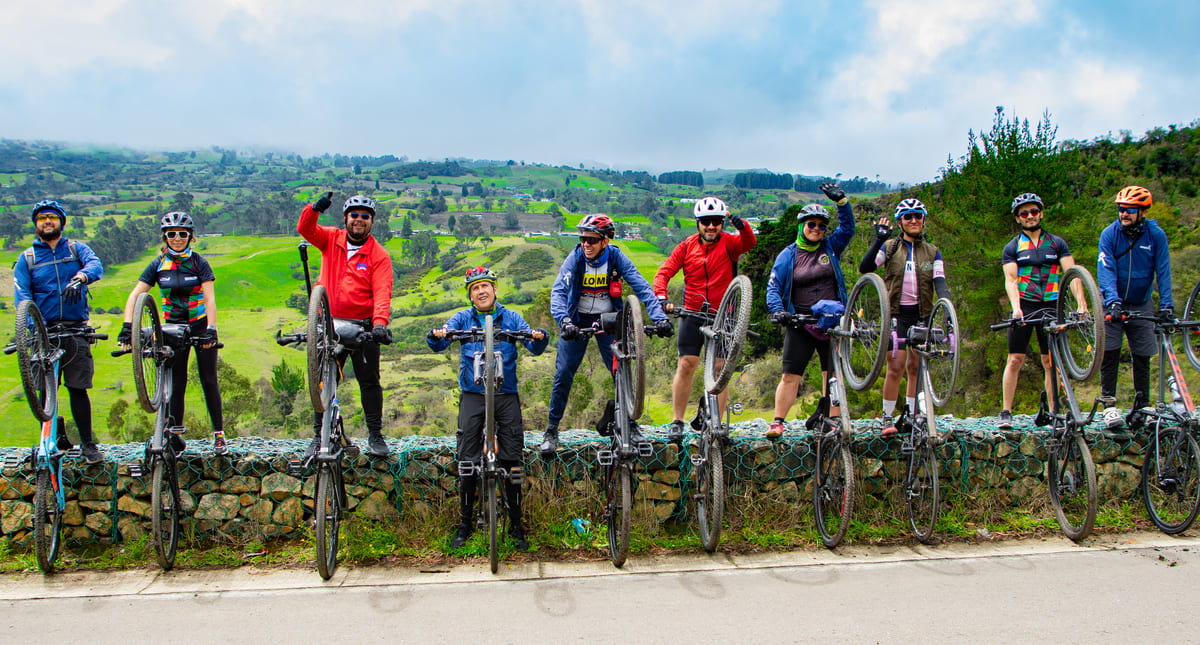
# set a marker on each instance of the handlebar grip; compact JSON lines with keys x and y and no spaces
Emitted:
{"x":99,"y":336}
{"x":120,"y":352}
{"x":10,"y":349}
{"x":1003,"y":325}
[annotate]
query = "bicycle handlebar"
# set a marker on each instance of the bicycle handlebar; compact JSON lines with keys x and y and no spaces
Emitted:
{"x":87,"y":333}
{"x":191,"y":341}
{"x":1041,"y":319}
{"x":1169,"y":323}
{"x":475,"y":334}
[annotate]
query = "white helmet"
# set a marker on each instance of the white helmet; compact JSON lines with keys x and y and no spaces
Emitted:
{"x":710,"y":207}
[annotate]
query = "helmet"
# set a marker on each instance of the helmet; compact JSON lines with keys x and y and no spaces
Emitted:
{"x":1026,"y":198}
{"x":1135,"y":196}
{"x":177,"y":219}
{"x":48,"y":205}
{"x":478,"y":274}
{"x":359,"y":201}
{"x":599,"y":224}
{"x":910,"y":206}
{"x":710,"y":207}
{"x":813,"y":210}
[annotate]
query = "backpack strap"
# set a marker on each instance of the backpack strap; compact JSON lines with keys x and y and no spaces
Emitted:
{"x":72,"y":257}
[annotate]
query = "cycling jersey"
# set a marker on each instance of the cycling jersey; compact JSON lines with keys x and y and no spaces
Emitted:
{"x":1039,"y":268}
{"x":912,"y":278}
{"x":707,"y":268}
{"x":1127,"y":269}
{"x":180,"y":280}
{"x":779,"y":284}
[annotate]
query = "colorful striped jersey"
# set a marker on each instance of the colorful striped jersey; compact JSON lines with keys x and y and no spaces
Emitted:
{"x":180,"y":279}
{"x":1039,"y":268}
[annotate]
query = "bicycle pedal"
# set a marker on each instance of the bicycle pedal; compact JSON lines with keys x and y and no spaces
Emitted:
{"x":13,"y":461}
{"x":466,"y":468}
{"x":516,"y":475}
{"x":645,"y":449}
{"x":179,"y":430}
{"x":295,"y":468}
{"x":606,"y":457}
{"x":135,"y":470}
{"x":74,"y":452}
{"x":907,"y":447}
{"x":697,"y":460}
{"x":352,"y":450}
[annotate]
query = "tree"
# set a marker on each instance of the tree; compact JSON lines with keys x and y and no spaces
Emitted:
{"x":469,"y":229}
{"x":451,"y":222}
{"x":406,"y":230}
{"x":511,"y":220}
{"x":286,"y":381}
{"x":182,"y":202}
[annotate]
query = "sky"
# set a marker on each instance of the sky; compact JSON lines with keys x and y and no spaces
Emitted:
{"x":875,"y":87}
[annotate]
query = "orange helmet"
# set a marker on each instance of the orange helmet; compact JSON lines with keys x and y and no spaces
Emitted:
{"x":1135,"y":196}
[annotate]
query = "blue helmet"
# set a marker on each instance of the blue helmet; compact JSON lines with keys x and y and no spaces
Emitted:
{"x":49,"y":205}
{"x":910,"y":206}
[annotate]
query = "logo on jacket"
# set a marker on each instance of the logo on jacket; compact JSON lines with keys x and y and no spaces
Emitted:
{"x":361,"y":266}
{"x":824,"y":259}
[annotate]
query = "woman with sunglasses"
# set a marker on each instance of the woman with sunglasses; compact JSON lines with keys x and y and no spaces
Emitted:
{"x":186,"y":281}
{"x":915,"y":279}
{"x":805,"y":273}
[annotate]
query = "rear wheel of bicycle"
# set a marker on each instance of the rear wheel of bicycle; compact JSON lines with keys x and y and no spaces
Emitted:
{"x":491,"y":491}
{"x":631,"y":357}
{"x":146,"y":344}
{"x":1191,"y":337}
{"x":164,"y":509}
{"x":1083,"y":340}
{"x":328,"y":515}
{"x":868,"y":320}
{"x":620,"y":510}
{"x":1072,"y":479}
{"x":322,"y":365}
{"x":922,"y":491}
{"x":942,"y":348}
{"x":33,"y":350}
{"x":47,"y":522}
{"x":1171,"y":480}
{"x":833,"y":490}
{"x":710,"y":486}
{"x":724,"y":348}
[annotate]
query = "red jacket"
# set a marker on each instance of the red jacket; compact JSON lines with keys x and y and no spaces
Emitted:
{"x":707,"y":268}
{"x":359,"y":288}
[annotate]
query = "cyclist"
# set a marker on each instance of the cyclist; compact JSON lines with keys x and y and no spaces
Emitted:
{"x":188,"y":298}
{"x":588,"y":285}
{"x":481,"y":291}
{"x":55,"y":273}
{"x":357,"y":273}
{"x":1133,"y":256}
{"x":807,"y":279}
{"x":1033,"y":263}
{"x":709,"y":262}
{"x":914,"y":279}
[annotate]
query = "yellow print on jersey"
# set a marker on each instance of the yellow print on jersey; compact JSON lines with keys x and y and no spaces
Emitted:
{"x":595,"y":280}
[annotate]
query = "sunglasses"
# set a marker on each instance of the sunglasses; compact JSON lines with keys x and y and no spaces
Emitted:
{"x":712,"y":221}
{"x":912,"y":215}
{"x":1131,"y":210}
{"x":359,"y":215}
{"x":817,"y":225}
{"x":1030,"y":213}
{"x":590,"y":241}
{"x":46,"y":216}
{"x":170,"y":235}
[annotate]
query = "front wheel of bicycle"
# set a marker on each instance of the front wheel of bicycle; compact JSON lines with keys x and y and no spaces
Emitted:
{"x":1191,"y":337}
{"x":833,"y":489}
{"x":868,"y":322}
{"x":47,"y":522}
{"x":1171,"y":480}
{"x":620,"y":511}
{"x":922,"y":491}
{"x":1072,"y":479}
{"x":164,"y":509}
{"x":327,"y":513}
{"x":33,"y":352}
{"x":322,"y":365}
{"x":630,"y":348}
{"x":146,"y":345}
{"x":941,"y":346}
{"x":723,"y":349}
{"x":710,"y":486}
{"x":491,"y":486}
{"x":1082,"y":341}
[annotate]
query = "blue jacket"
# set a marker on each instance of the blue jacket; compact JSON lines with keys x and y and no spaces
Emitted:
{"x":504,"y":319}
{"x":52,"y":270}
{"x":1126,"y":269}
{"x":779,"y":285}
{"x":564,"y":295}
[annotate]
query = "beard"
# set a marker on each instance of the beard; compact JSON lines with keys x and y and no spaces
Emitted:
{"x":1034,"y":227}
{"x":357,"y":239}
{"x":49,"y":236}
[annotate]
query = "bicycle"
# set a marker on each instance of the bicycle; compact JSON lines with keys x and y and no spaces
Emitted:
{"x":153,"y":346}
{"x":488,"y":370}
{"x":1076,"y":339}
{"x":38,"y":354}
{"x":1171,"y":464}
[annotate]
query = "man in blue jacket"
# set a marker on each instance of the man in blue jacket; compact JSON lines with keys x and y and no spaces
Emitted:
{"x":588,"y":285}
{"x":54,"y":273}
{"x":481,"y":289}
{"x":1133,"y":256}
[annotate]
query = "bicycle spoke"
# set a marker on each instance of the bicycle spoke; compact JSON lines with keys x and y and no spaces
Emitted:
{"x":868,"y":321}
{"x":1083,"y":337}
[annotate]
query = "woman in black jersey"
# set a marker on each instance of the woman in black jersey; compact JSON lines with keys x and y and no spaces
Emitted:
{"x":186,"y":281}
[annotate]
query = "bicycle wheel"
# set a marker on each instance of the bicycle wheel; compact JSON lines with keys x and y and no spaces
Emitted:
{"x":47,"y":522}
{"x":631,"y":357}
{"x":489,"y":385}
{"x":620,"y":510}
{"x":492,"y":493}
{"x":164,"y":509}
{"x":868,"y":321}
{"x":33,"y":350}
{"x":1171,"y":480}
{"x":723,"y":349}
{"x":1191,"y":337}
{"x":1082,"y":341}
{"x":833,"y":489}
{"x":1072,"y":480}
{"x":146,"y":343}
{"x":942,"y":348}
{"x":322,"y":366}
{"x":710,"y":484}
{"x":328,"y":515}
{"x":922,"y":491}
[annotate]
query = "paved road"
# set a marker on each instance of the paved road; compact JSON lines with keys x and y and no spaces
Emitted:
{"x":1132,"y":588}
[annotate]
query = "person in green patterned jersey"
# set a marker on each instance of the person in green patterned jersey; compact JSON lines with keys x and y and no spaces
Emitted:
{"x":186,"y":281}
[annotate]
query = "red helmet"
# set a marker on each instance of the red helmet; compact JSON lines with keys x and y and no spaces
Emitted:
{"x":1134,"y":196}
{"x":598,"y":223}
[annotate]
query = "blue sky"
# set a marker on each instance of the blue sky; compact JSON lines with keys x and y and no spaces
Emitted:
{"x":812,"y":87}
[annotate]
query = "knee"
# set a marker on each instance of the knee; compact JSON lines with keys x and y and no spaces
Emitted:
{"x":1016,"y":361}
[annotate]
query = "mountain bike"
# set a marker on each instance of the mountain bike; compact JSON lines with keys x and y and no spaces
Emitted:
{"x":38,"y":353}
{"x":488,"y":370}
{"x":153,"y":346}
{"x":1171,"y":464}
{"x":1076,"y":339}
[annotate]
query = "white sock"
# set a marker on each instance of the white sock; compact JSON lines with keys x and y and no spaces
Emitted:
{"x":889,"y":408}
{"x":912,"y":403}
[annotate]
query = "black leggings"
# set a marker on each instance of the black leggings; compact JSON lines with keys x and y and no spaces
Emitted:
{"x":206,"y":362}
{"x":81,"y":411}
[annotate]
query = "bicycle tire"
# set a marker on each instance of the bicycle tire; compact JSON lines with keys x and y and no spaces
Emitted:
{"x":868,"y":320}
{"x":1072,"y":481}
{"x":47,"y":522}
{"x":1191,"y":337}
{"x":1172,"y":505}
{"x":146,"y":346}
{"x":164,"y":509}
{"x":1082,"y":343}
{"x":620,"y":511}
{"x":923,"y":492}
{"x":710,"y":484}
{"x":631,"y":357}
{"x":327,"y":514}
{"x":491,"y":495}
{"x":942,"y":364}
{"x":37,"y":374}
{"x":729,"y":329}
{"x":833,"y":490}
{"x":321,"y":344}
{"x":489,"y":384}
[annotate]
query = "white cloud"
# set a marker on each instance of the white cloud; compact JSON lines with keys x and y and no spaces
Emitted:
{"x":52,"y":37}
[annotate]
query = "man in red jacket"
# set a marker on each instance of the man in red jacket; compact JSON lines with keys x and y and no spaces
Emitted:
{"x":708,"y":260}
{"x":357,"y":273}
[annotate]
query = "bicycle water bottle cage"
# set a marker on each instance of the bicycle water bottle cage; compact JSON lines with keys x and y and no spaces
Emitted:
{"x":347,"y":332}
{"x":477,"y":368}
{"x":467,"y":468}
{"x":516,"y":475}
{"x":608,"y":322}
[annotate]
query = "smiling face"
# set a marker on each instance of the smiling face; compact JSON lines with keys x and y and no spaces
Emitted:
{"x":814,"y":229}
{"x":1029,"y":216}
{"x":358,"y":223}
{"x":913,"y":224}
{"x":48,"y":225}
{"x":177,"y":239}
{"x":483,"y":295}
{"x":710,"y":228}
{"x":593,"y":244}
